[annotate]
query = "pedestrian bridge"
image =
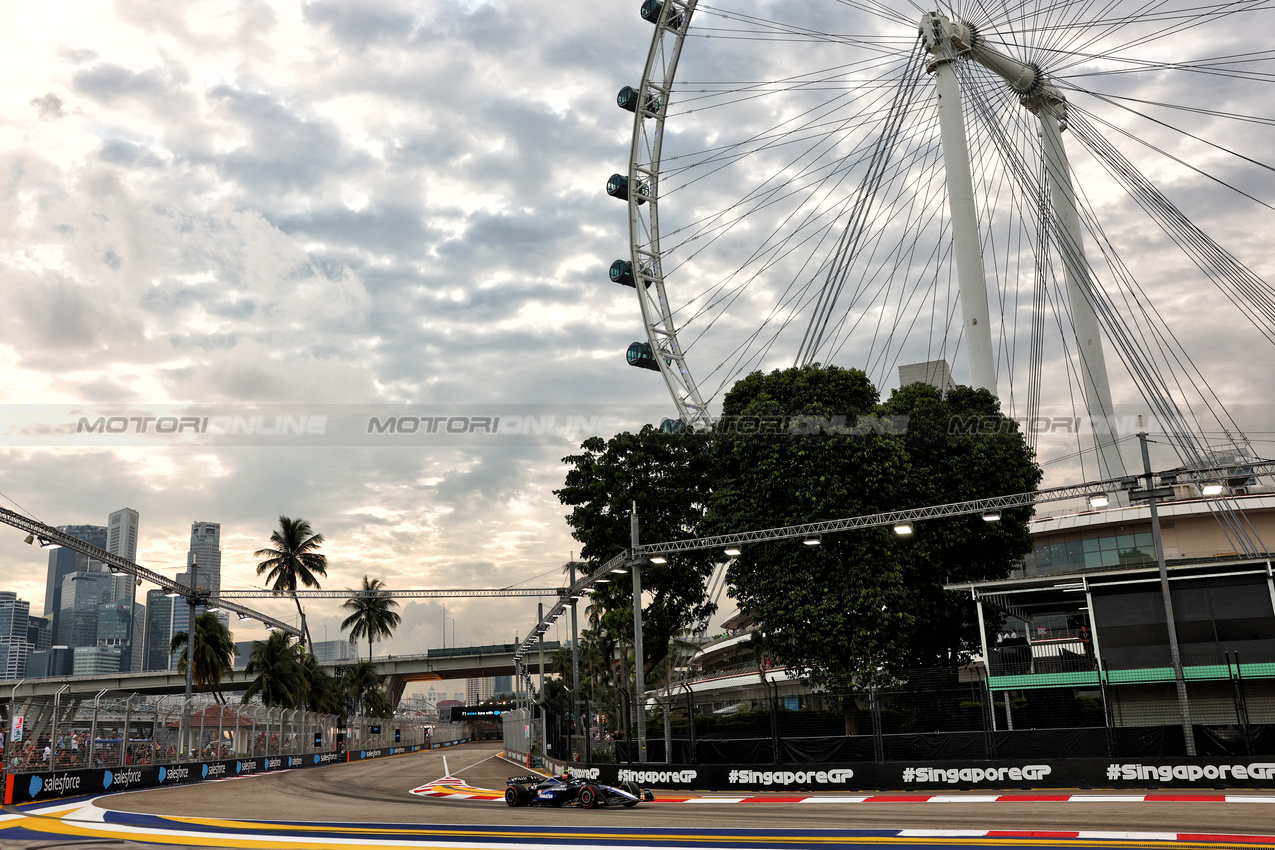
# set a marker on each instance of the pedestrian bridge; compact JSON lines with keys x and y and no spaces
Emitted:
{"x":460,"y":662}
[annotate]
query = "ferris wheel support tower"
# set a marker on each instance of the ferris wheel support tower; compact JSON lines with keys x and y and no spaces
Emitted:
{"x":946,"y":40}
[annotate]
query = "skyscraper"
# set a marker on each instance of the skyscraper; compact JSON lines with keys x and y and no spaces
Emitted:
{"x":14,"y":647}
{"x":205,"y":542}
{"x":83,"y":594}
{"x":205,"y":551}
{"x":121,"y":540}
{"x":63,"y":562}
{"x":160,"y":628}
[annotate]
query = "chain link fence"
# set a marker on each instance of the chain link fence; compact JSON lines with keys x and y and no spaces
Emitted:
{"x":125,"y":729}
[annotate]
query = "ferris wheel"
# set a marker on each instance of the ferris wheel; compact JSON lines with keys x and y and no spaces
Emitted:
{"x":1018,"y":188}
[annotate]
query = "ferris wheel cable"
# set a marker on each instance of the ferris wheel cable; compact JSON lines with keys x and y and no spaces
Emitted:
{"x":1216,"y":263}
{"x":741,"y":219}
{"x":1177,"y":159}
{"x":777,"y":134}
{"x":895,"y":185}
{"x":835,"y":282}
{"x":1179,"y":355}
{"x":1177,"y":28}
{"x":726,"y":156}
{"x":1194,"y":110}
{"x":899,"y":185}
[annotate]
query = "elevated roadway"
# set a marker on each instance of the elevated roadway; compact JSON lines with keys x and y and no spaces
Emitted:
{"x":462,"y":662}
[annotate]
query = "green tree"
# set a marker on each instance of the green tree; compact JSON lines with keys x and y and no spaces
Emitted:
{"x":867,"y":601}
{"x":214,"y":653}
{"x":358,"y":683}
{"x":293,"y":558}
{"x":951,"y":460}
{"x":277,"y":665}
{"x":322,"y":691}
{"x":371,"y":616}
{"x":667,"y":475}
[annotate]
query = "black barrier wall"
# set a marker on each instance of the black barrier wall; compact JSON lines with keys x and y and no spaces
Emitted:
{"x":51,"y":785}
{"x":941,"y":776}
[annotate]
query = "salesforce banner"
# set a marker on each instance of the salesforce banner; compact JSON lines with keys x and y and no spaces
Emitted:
{"x":383,"y":752}
{"x":29,"y":787}
{"x":941,"y":776}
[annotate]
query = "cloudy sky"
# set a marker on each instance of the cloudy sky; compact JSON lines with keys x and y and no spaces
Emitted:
{"x":340,"y":206}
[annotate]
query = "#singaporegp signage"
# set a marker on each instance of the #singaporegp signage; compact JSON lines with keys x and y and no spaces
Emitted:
{"x":943,"y":775}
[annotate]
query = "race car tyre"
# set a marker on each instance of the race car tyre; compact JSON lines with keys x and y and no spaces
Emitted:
{"x":632,"y":788}
{"x":589,"y":796}
{"x":515,"y":796}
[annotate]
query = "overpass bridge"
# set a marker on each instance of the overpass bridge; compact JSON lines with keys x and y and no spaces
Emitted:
{"x":461,"y":662}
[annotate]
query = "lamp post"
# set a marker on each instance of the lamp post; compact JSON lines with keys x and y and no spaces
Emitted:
{"x":639,"y":669}
{"x":1175,"y":657}
{"x":191,"y":601}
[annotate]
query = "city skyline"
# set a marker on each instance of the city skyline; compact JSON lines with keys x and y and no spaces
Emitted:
{"x":389,"y":205}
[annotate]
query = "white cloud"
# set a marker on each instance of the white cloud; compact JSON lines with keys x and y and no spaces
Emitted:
{"x":387,"y":202}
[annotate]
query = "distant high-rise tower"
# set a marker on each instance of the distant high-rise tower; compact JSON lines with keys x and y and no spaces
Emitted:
{"x":160,"y":628}
{"x":205,"y":542}
{"x":14,"y":648}
{"x":205,"y":550}
{"x":121,"y":540}
{"x":83,"y":595}
{"x":63,"y":562}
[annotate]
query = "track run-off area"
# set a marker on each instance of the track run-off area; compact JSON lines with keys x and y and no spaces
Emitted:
{"x":453,"y":799}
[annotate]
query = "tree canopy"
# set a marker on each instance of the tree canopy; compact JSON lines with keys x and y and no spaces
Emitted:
{"x":214,"y":653}
{"x":370,"y":615}
{"x":668,"y":476}
{"x":293,"y":558}
{"x":867,"y":601}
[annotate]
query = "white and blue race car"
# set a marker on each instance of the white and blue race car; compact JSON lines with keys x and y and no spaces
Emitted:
{"x":552,"y":792}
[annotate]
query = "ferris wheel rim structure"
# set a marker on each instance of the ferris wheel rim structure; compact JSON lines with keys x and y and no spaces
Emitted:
{"x":643,"y":188}
{"x":672,"y":18}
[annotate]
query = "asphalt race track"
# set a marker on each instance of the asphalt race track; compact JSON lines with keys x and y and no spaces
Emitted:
{"x":370,"y":804}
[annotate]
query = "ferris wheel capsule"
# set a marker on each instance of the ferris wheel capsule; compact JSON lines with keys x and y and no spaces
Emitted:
{"x":618,"y":187}
{"x":641,"y":356}
{"x":651,"y":10}
{"x":622,"y":273}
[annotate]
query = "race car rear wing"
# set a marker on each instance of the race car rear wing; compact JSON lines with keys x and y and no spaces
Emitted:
{"x":519,"y":780}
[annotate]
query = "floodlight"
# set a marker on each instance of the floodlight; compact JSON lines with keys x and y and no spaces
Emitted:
{"x":903,"y":529}
{"x":991,"y":516}
{"x":619,"y":570}
{"x":732,"y":551}
{"x":1212,"y":488}
{"x":1099,"y":500}
{"x":48,"y":544}
{"x":659,"y":559}
{"x":812,"y":540}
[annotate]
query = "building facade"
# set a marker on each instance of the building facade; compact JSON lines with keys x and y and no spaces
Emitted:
{"x":64,"y":562}
{"x":14,"y":628}
{"x":121,"y":540}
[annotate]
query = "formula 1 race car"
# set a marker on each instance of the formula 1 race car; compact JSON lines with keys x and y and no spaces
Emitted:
{"x":554,"y":792}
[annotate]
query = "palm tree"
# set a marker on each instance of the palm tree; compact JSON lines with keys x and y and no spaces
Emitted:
{"x":359,"y":682}
{"x":371,"y":616}
{"x":293,"y":556}
{"x":214,"y":653}
{"x":322,"y":691}
{"x":277,"y":664}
